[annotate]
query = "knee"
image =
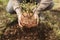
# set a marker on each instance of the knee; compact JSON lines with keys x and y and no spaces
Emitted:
{"x":9,"y":7}
{"x":11,"y":11}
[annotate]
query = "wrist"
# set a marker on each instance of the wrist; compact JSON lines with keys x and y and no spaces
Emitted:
{"x":36,"y":11}
{"x":18,"y":11}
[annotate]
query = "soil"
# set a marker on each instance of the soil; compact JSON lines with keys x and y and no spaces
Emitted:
{"x":41,"y":32}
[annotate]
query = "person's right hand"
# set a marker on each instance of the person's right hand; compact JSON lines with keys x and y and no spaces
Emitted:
{"x":19,"y":18}
{"x":19,"y":13}
{"x":19,"y":21}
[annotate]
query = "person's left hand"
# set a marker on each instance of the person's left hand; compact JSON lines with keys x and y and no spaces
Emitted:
{"x":34,"y":9}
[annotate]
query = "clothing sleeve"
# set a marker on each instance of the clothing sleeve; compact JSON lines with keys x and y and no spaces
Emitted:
{"x":15,"y":4}
{"x":43,"y":4}
{"x":17,"y":8}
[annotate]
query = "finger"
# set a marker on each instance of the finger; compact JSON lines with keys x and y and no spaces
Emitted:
{"x":37,"y":20}
{"x":19,"y":24}
{"x":21,"y":27}
{"x":36,"y":16}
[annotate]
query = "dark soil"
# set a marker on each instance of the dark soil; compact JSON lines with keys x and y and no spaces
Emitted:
{"x":41,"y":32}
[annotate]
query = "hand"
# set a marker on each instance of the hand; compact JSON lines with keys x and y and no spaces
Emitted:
{"x":19,"y":18}
{"x":34,"y":9}
{"x":19,"y":13}
{"x":36,"y":17}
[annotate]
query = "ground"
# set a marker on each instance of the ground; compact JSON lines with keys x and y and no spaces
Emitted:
{"x":49,"y":28}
